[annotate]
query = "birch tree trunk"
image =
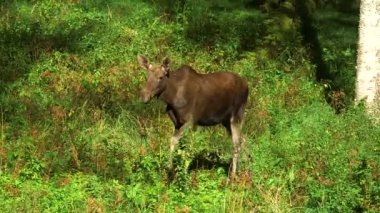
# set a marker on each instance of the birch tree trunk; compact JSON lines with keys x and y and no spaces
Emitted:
{"x":368,"y":61}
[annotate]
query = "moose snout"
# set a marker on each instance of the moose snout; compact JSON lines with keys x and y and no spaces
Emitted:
{"x":144,"y":96}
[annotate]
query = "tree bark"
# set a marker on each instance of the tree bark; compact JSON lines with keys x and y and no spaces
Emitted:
{"x":368,"y":61}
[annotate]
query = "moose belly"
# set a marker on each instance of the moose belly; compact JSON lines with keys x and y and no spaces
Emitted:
{"x":209,"y":122}
{"x":213,"y":119}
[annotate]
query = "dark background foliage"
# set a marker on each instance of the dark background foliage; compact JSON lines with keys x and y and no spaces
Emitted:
{"x":74,"y":136}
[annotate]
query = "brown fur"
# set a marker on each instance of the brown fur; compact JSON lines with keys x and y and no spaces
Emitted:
{"x":198,"y":99}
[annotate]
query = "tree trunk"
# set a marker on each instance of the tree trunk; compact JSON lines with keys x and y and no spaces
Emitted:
{"x":368,"y":62}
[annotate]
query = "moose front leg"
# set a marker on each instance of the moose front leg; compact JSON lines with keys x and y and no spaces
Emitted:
{"x":172,"y":115}
{"x":175,"y":139}
{"x":178,"y":132}
{"x":179,"y":127}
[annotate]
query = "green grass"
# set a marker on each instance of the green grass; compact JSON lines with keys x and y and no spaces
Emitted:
{"x":75,"y":137}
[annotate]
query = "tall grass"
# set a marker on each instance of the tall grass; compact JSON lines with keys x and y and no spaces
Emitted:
{"x":74,"y":136}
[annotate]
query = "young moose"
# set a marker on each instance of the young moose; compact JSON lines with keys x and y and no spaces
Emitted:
{"x":198,"y":99}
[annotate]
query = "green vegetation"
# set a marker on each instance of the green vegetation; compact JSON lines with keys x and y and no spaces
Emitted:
{"x":75,"y":137}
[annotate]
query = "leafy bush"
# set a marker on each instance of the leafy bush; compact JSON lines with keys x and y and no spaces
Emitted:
{"x":74,"y":136}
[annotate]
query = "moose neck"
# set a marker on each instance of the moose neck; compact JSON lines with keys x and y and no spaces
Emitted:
{"x":168,"y":89}
{"x":163,"y":86}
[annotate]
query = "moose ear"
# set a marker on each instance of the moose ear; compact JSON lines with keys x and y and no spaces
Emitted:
{"x":143,"y":62}
{"x":166,"y":62}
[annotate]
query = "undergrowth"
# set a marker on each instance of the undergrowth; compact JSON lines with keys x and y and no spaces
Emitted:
{"x":75,"y":137}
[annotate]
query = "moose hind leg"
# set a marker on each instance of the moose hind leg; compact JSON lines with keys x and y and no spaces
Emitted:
{"x":235,"y":133}
{"x":227,"y":125}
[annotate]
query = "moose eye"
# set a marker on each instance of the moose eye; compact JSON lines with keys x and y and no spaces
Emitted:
{"x":160,"y":78}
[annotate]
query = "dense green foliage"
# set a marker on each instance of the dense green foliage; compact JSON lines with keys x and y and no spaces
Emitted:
{"x":74,"y":136}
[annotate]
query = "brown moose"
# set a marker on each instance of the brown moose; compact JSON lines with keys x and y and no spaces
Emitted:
{"x":198,"y":99}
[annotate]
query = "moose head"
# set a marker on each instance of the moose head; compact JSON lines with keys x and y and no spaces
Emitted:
{"x":157,"y":77}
